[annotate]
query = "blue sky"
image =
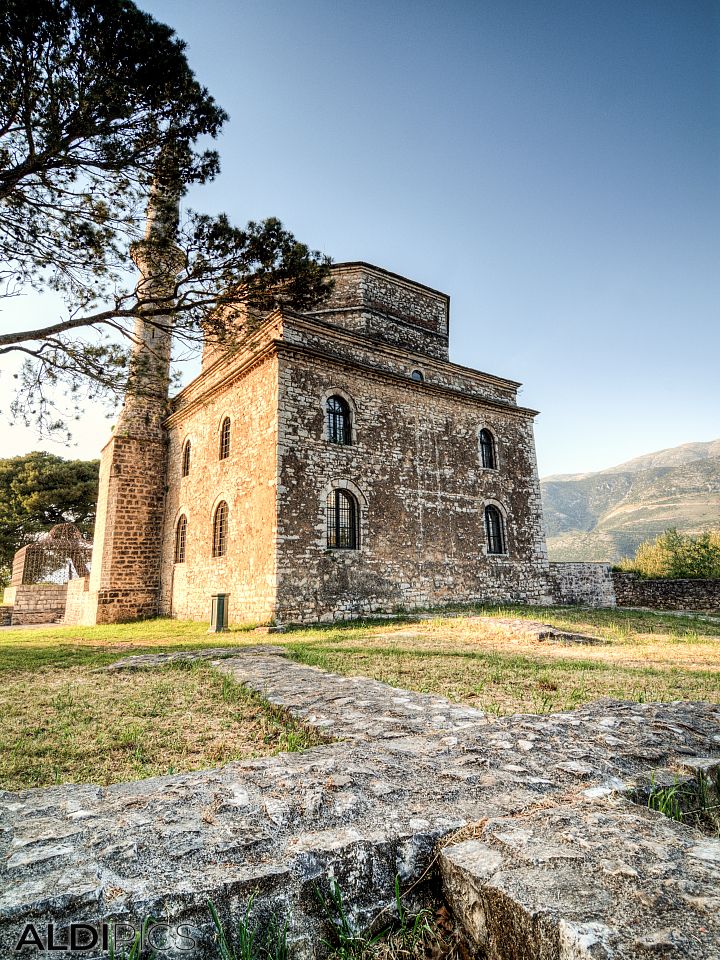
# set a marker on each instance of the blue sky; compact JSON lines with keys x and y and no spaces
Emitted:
{"x":554,"y":166}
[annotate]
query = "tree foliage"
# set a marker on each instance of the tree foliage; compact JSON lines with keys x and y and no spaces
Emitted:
{"x":39,"y":490}
{"x":677,"y":556}
{"x":98,"y":102}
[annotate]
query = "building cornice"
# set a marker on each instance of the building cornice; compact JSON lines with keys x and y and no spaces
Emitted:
{"x":381,"y":347}
{"x":349,"y":265}
{"x":511,"y":409}
{"x":235,"y":373}
{"x":261,"y":348}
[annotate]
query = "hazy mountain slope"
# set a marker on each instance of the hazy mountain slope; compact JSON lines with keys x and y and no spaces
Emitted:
{"x":605,"y":515}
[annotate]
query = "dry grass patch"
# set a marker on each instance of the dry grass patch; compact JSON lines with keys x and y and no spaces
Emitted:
{"x":80,"y":726}
{"x":504,"y":684}
{"x":642,"y":657}
{"x":63,"y":722}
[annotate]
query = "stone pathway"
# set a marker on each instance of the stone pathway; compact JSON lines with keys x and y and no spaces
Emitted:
{"x":558,"y":862}
{"x":349,"y":708}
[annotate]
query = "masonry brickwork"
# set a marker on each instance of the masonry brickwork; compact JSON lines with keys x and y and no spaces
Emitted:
{"x":386,"y":307}
{"x":245,"y":480}
{"x":634,"y":591}
{"x":36,"y":603}
{"x":582,"y":583}
{"x":125,"y":568}
{"x":76,"y":603}
{"x":413,"y":466}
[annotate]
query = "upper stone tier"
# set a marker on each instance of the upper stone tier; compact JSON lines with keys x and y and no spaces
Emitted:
{"x":387,"y":307}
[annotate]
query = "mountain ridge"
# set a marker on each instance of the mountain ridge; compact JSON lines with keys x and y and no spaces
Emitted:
{"x":606,"y":514}
{"x":686,"y":453}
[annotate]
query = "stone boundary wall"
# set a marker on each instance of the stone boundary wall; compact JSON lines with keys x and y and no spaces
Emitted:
{"x":39,"y":603}
{"x":633,"y":591}
{"x":583,"y":584}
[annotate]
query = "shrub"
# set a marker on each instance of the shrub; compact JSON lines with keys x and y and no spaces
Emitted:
{"x":676,"y":555}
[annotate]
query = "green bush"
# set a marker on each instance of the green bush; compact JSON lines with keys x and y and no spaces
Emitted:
{"x":676,"y":555}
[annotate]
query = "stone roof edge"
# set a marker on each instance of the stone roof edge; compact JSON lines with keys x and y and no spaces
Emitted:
{"x":283,"y":346}
{"x":363,"y":264}
{"x":360,"y":308}
{"x":423,"y":359}
{"x":269,"y":347}
{"x":235,"y":372}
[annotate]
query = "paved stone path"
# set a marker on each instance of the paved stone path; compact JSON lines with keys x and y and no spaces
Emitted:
{"x":559,"y":862}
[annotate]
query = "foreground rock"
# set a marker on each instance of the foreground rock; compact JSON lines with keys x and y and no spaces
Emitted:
{"x":560,"y":861}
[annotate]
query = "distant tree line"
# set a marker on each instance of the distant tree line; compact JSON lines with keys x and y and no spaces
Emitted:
{"x":39,"y":490}
{"x":677,"y":556}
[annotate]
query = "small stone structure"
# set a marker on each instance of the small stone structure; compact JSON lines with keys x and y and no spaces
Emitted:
{"x":41,"y":573}
{"x":55,"y":557}
{"x":634,"y":591}
{"x":36,"y":603}
{"x":554,"y":860}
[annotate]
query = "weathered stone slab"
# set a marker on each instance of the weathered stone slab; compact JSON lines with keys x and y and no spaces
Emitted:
{"x":589,"y":880}
{"x":534,"y":630}
{"x":348,"y":707}
{"x":410,"y":770}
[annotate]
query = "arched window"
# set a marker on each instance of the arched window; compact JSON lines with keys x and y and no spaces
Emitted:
{"x":220,"y":530}
{"x":224,"y":451}
{"x":487,"y":450}
{"x":186,"y":459}
{"x":494,"y":530}
{"x":342,"y":521}
{"x":180,"y":539}
{"x":338,"y":421}
{"x":418,"y":376}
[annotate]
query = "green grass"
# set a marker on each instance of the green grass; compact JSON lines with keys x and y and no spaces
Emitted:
{"x":64,"y":722}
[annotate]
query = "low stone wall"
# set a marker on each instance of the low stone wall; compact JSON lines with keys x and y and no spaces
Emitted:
{"x":39,"y":603}
{"x":634,"y":591}
{"x":582,"y":584}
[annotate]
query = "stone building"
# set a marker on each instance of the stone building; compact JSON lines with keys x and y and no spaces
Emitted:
{"x":335,"y":464}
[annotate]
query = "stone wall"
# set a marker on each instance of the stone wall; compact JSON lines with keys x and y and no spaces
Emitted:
{"x":38,"y":603}
{"x":633,"y":591}
{"x":125,"y":571}
{"x":18,"y":566}
{"x":245,"y":481}
{"x":415,"y":471}
{"x":582,"y":584}
{"x":399,"y":364}
{"x":388,"y":307}
{"x":554,"y":860}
